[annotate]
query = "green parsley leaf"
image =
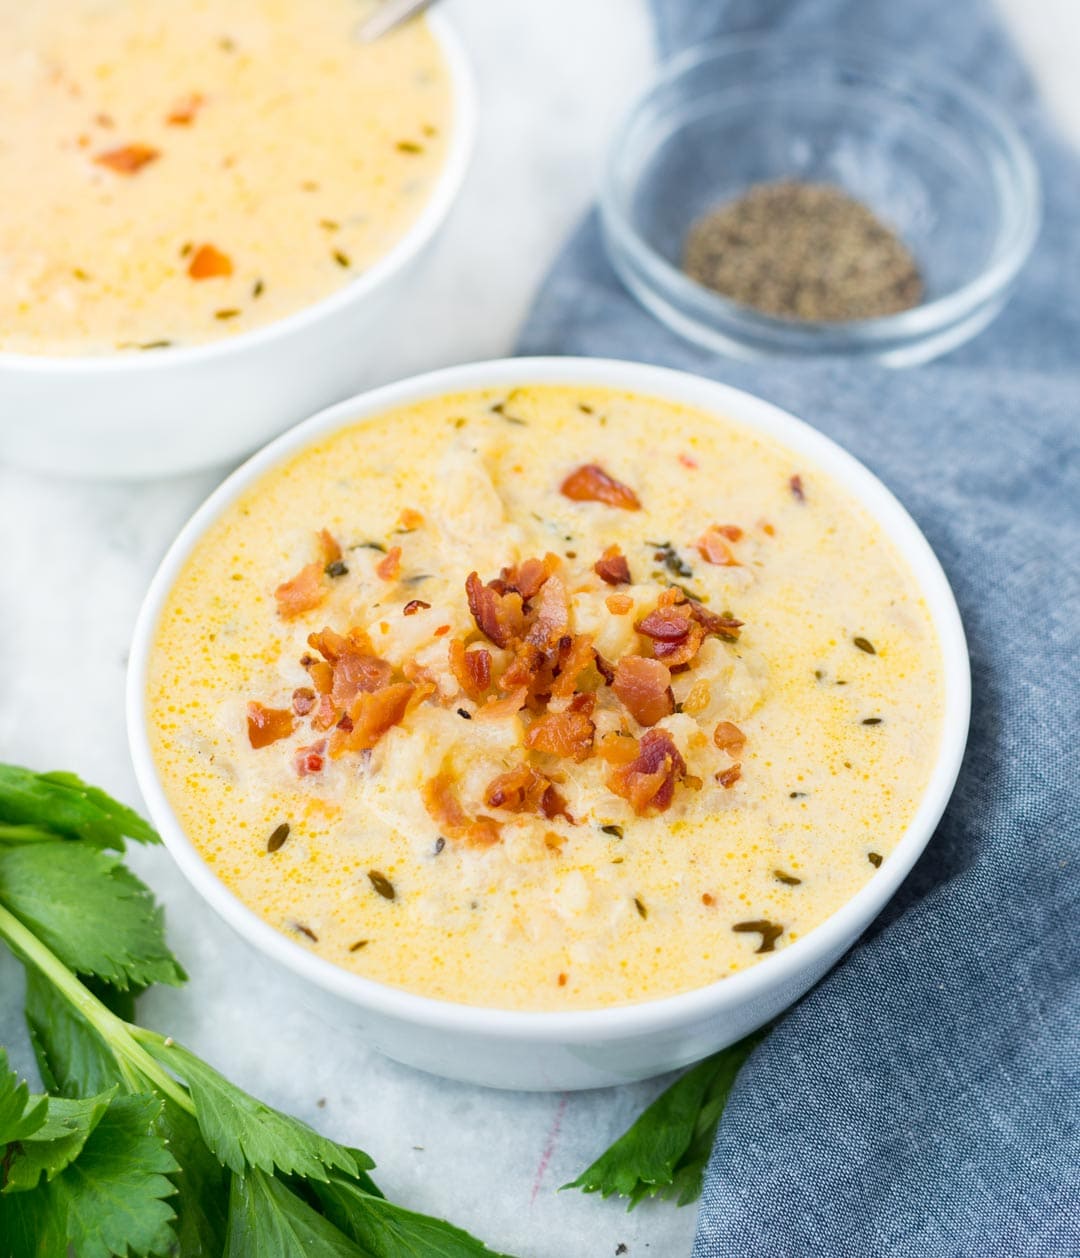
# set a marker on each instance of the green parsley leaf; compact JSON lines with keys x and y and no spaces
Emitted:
{"x":665,"y":1151}
{"x":71,"y":1056}
{"x":266,"y":1218}
{"x":385,"y":1230}
{"x":20,"y":1113}
{"x":64,"y":804}
{"x":109,"y":1200}
{"x":56,"y":1143}
{"x":89,"y":909}
{"x":26,"y":834}
{"x":243,"y":1132}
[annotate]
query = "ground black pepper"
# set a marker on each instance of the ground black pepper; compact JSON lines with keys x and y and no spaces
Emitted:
{"x":803,"y":251}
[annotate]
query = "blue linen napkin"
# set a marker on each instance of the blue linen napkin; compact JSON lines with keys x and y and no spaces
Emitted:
{"x":923,"y":1099}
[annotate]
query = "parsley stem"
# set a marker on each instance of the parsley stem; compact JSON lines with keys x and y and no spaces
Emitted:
{"x":116,"y":1033}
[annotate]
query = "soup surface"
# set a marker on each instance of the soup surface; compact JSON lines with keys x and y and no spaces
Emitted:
{"x":557,"y":699}
{"x":180,"y":174}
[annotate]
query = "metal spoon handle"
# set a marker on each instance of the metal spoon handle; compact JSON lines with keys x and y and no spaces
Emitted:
{"x":390,"y":14}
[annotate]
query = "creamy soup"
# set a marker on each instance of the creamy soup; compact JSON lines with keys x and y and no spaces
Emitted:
{"x":557,"y":699}
{"x":180,"y":173}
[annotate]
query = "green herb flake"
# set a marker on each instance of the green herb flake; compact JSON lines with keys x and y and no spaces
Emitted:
{"x":382,"y":884}
{"x":643,"y":912}
{"x":342,"y":259}
{"x":277,"y":837}
{"x":789,"y":880}
{"x":336,"y":569}
{"x":864,"y":644}
{"x":770,"y":932}
{"x":613,"y":830}
{"x":875,"y":859}
{"x":670,"y":558}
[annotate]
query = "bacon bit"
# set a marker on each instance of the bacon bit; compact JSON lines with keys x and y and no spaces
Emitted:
{"x":527,"y":577}
{"x":497,"y":709}
{"x":472,"y":669}
{"x":713,"y":548}
{"x":573,"y":661}
{"x":728,"y":777}
{"x":674,"y":634}
{"x":603,"y":668}
{"x":129,"y":159}
{"x":707,"y":899}
{"x":410,"y":519}
{"x":445,"y":810}
{"x":183,"y":112}
{"x":309,"y":760}
{"x":321,"y":674}
{"x":796,"y":486}
{"x":442,"y":629}
{"x":723,"y":626}
{"x":553,"y":842}
{"x":329,"y":547}
{"x":617,"y":748}
{"x":612,"y":567}
{"x":372,"y":714}
{"x":729,"y":738}
{"x":693,"y":782}
{"x":644,"y":688}
{"x":687,"y":461}
{"x":698,"y":698}
{"x":267,"y":725}
{"x":415,"y":605}
{"x":303,"y":593}
{"x":552,"y":616}
{"x":590,"y":483}
{"x":562,"y":980}
{"x":619,"y":604}
{"x":525,"y":789}
{"x":498,"y":615}
{"x":768,"y":529}
{"x":648,"y":781}
{"x":208,"y":263}
{"x":327,"y":714}
{"x":303,"y":700}
{"x":567,"y":734}
{"x":389,"y":566}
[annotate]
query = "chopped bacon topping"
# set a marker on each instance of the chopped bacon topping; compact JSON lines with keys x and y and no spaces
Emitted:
{"x":472,"y":669}
{"x":267,"y":725}
{"x":728,"y":777}
{"x":612,"y":567}
{"x":410,"y":519}
{"x":303,"y":700}
{"x":798,"y":491}
{"x":356,"y":668}
{"x":551,"y":618}
{"x":524,"y":789}
{"x":310,"y":759}
{"x":568,"y":734}
{"x":673,"y":633}
{"x":496,"y":709}
{"x":729,"y":738}
{"x":389,"y":566}
{"x":617,"y":748}
{"x":574,"y":659}
{"x":722,"y":626}
{"x":590,"y":483}
{"x":372,"y":713}
{"x":445,"y":810}
{"x":209,"y":263}
{"x":326,"y":715}
{"x":497,"y":614}
{"x":415,"y":605}
{"x":619,"y":604}
{"x":527,"y":577}
{"x":713,"y":545}
{"x":644,"y":688}
{"x":648,"y":781}
{"x":301,"y":594}
{"x":329,"y":547}
{"x":129,"y":159}
{"x":183,"y":112}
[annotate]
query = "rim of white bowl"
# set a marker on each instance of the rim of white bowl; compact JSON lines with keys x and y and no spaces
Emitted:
{"x":616,"y":1022}
{"x":423,"y":228}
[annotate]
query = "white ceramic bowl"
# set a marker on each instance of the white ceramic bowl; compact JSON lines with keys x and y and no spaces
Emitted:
{"x":175,"y":410}
{"x":589,"y":1048}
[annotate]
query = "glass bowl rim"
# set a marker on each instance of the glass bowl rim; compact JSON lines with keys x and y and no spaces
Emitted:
{"x":1011,"y":246}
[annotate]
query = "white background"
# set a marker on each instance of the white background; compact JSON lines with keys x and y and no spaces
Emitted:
{"x":75,"y":559}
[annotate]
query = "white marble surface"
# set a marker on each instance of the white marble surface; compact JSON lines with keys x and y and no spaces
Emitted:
{"x":77,"y":557}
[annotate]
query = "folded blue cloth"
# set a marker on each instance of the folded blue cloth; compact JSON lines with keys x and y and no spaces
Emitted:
{"x":923,"y":1099}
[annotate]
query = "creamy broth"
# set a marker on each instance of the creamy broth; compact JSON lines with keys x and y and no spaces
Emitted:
{"x":719,"y":808}
{"x":178,"y":174}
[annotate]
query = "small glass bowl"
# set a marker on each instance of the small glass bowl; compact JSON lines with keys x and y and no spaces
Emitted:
{"x":932,"y":158}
